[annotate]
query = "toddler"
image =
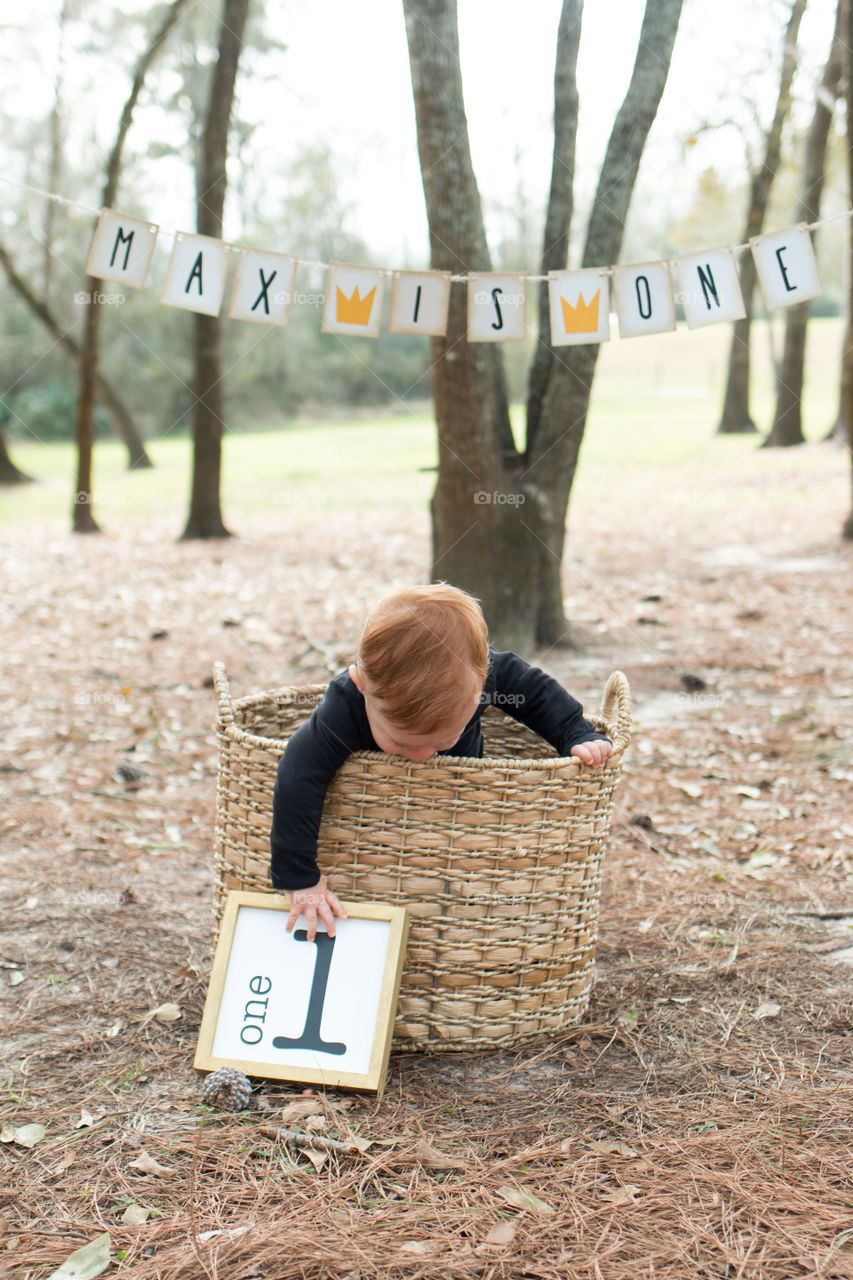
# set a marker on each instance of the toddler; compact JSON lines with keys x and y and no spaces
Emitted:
{"x":424,"y":675}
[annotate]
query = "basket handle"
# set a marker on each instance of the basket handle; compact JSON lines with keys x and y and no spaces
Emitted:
{"x":616,"y":711}
{"x":224,"y":705}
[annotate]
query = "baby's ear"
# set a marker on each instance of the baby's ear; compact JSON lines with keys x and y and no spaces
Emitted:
{"x":355,"y":676}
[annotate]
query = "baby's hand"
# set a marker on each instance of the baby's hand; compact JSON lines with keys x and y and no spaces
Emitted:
{"x":311,"y":903}
{"x":592,"y":753}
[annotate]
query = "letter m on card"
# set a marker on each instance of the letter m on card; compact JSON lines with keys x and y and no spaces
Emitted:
{"x":121,"y":249}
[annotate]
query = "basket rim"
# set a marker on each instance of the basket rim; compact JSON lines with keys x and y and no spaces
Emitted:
{"x":617,"y":697}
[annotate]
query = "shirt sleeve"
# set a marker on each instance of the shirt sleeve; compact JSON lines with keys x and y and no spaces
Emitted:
{"x":536,"y":699}
{"x":311,"y":759}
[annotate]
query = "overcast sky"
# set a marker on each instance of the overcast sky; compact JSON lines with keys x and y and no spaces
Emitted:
{"x":345,"y":78}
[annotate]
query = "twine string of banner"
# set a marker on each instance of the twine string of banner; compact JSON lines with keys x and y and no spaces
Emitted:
{"x":455,"y":278}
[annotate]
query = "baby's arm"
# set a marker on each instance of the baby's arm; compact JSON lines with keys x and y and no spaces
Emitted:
{"x":312,"y":757}
{"x":538,"y":700}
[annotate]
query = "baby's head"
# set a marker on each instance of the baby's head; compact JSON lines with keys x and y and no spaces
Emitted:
{"x":422,"y":661}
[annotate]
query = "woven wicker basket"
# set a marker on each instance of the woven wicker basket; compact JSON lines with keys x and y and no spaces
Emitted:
{"x":497,"y":860}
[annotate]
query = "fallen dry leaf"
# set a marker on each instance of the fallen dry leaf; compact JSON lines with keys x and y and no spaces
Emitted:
{"x":299,"y":1110}
{"x":317,"y":1158}
{"x":501,"y":1233}
{"x":425,"y":1248}
{"x":525,"y":1200}
{"x":622,"y":1195}
{"x":86,"y":1262}
{"x":609,"y":1147}
{"x":430,"y":1158}
{"x":147,"y":1164}
{"x":168,"y":1012}
{"x":27,"y":1136}
{"x":134,"y":1215}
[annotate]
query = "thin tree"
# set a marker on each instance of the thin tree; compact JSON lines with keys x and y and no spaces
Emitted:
{"x":787,"y":426}
{"x":205,"y":513}
{"x":847,"y":357}
{"x":83,"y":520}
{"x":120,"y":417}
{"x":9,"y":473}
{"x":509,"y":550}
{"x":736,"y":416}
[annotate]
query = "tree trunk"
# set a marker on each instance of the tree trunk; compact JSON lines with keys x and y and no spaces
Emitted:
{"x":554,"y":446}
{"x":205,"y":515}
{"x":9,"y":473}
{"x":736,"y":416}
{"x":847,"y":357}
{"x":82,"y":517}
{"x":787,"y":426}
{"x":83,"y":521}
{"x":558,"y":219}
{"x":121,"y":420}
{"x":499,"y":516}
{"x":474,"y":529}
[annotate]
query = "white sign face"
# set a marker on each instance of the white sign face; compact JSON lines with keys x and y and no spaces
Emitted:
{"x":643,"y":297}
{"x":263,"y":287}
{"x":580,"y":307}
{"x":419,"y":302}
{"x":121,"y":249}
{"x":709,"y":288}
{"x":306,"y":1004}
{"x":353,"y":300}
{"x":282,"y":1007}
{"x":195,"y":280}
{"x":787,"y":267}
{"x":496,"y":307}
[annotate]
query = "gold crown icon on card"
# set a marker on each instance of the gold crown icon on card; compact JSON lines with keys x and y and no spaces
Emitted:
{"x":582,"y":318}
{"x":354,"y":309}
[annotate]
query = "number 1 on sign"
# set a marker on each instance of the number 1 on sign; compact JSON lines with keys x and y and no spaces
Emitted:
{"x":310,"y":1037}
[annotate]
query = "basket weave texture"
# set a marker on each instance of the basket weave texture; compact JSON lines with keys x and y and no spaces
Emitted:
{"x":497,"y":860}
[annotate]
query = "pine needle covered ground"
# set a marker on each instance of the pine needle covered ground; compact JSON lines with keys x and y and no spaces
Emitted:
{"x":698,"y":1123}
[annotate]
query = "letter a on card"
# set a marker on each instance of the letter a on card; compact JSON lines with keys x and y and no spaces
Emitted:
{"x":419,"y":302}
{"x":195,"y":280}
{"x":496,"y":307}
{"x":121,"y":249}
{"x":786,"y":266}
{"x":580,"y":307}
{"x":709,"y":288}
{"x":353,"y":300}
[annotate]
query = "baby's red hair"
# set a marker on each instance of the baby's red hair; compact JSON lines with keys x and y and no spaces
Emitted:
{"x":420,"y":650}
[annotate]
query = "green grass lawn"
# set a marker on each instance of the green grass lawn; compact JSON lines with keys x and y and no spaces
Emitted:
{"x":651,"y":429}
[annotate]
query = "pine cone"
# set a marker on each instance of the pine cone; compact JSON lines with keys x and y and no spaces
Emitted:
{"x":228,"y":1089}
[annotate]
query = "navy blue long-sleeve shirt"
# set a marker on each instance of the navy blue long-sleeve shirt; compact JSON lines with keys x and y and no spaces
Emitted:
{"x":339,"y":726}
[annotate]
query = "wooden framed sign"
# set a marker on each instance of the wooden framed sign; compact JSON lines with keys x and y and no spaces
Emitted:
{"x":321,"y":1012}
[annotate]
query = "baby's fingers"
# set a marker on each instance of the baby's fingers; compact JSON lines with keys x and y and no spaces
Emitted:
{"x":335,"y":903}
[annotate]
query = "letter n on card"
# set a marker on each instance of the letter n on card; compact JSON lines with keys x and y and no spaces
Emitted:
{"x":282,"y":1008}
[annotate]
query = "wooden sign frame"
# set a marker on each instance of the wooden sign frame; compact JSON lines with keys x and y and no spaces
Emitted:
{"x":252,"y":948}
